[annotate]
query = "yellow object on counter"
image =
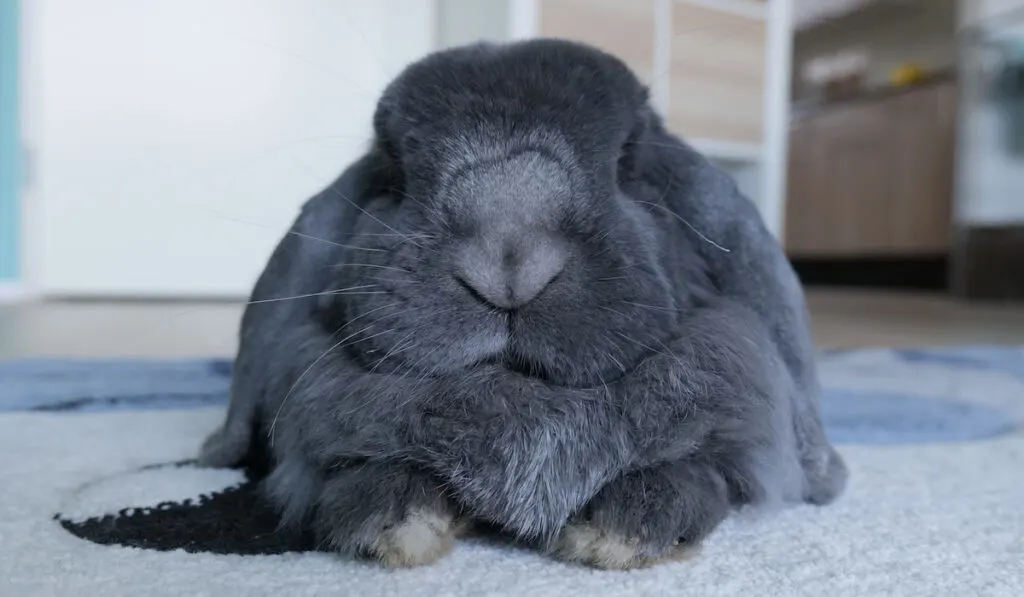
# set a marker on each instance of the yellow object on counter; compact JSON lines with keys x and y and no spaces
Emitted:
{"x":907,"y":74}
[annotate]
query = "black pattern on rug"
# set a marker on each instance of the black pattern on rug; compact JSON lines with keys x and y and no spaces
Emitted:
{"x":234,"y":520}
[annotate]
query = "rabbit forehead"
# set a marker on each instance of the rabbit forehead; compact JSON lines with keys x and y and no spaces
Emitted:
{"x":523,"y":186}
{"x":485,"y":141}
{"x":542,"y":80}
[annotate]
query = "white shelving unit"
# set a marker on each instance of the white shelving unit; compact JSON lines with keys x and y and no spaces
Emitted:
{"x":719,"y":70}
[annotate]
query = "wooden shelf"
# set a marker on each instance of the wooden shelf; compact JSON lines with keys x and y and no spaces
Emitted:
{"x":751,"y":9}
{"x":727,"y":150}
{"x":857,"y":11}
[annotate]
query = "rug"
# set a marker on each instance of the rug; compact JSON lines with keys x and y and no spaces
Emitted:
{"x":98,"y":497}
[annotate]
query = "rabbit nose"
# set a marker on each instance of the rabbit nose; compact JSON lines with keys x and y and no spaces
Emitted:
{"x":509,"y":275}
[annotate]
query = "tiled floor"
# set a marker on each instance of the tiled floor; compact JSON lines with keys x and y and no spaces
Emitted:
{"x":154,"y":329}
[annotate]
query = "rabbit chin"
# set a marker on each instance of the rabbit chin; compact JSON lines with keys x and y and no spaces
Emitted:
{"x":493,"y":347}
{"x":524,"y":351}
{"x":484,"y":345}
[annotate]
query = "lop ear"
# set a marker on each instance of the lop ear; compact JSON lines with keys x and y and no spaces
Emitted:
{"x":395,"y":139}
{"x":749,"y":267}
{"x":377,"y":173}
{"x":313,"y":244}
{"x":636,"y":154}
{"x":385,"y":125}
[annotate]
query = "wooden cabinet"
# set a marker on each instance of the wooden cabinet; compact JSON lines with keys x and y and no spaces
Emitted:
{"x":831,"y":201}
{"x":873,"y":177}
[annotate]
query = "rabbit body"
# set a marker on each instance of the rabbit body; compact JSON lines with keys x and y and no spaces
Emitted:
{"x":527,"y":304}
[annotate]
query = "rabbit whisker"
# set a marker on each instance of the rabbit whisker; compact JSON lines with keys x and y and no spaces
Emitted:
{"x":394,"y":350}
{"x":423,"y":235}
{"x":362,"y":315}
{"x":356,"y":205}
{"x":318,"y":359}
{"x":655,"y":307}
{"x":340,"y":344}
{"x":371,"y":216}
{"x":669,"y":350}
{"x":295,"y":384}
{"x":604,"y":384}
{"x":420,"y":380}
{"x":395,"y":381}
{"x":339,"y":245}
{"x":406,"y":195}
{"x":687,"y":224}
{"x":618,"y":364}
{"x":392,"y":280}
{"x":626,"y":268}
{"x":412,"y":366}
{"x":615,"y":311}
{"x":294,"y":233}
{"x":325,"y":293}
{"x":384,"y":267}
{"x":646,"y":347}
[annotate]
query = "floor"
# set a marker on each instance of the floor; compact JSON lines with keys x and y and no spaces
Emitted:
{"x":842,"y":318}
{"x":889,"y":534}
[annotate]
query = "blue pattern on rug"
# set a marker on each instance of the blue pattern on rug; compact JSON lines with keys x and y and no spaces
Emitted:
{"x":90,"y":385}
{"x":874,"y":418}
{"x":1009,"y":361}
{"x":887,"y":414}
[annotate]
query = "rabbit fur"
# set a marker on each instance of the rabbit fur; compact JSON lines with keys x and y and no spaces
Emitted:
{"x":531,"y":305}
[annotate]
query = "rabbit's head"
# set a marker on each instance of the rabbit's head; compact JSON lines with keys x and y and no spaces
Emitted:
{"x":497,"y":226}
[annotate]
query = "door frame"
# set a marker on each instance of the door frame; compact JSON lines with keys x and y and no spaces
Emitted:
{"x":10,"y":148}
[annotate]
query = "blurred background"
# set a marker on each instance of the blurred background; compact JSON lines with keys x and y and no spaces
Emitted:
{"x":152,"y":153}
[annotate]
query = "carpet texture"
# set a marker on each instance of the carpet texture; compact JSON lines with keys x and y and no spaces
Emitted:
{"x":97,"y":496}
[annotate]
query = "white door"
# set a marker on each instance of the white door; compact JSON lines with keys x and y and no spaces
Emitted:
{"x":172,"y":142}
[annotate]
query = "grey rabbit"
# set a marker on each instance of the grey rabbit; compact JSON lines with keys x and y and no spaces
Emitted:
{"x":531,"y":306}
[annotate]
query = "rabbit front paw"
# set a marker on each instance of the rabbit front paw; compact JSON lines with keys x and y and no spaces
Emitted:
{"x":389,"y":513}
{"x":646,"y":517}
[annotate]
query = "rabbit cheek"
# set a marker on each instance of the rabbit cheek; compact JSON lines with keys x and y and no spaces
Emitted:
{"x":425,"y":333}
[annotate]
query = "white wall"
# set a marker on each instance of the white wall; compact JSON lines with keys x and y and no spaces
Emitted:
{"x":469,"y":21}
{"x":172,"y":142}
{"x":990,"y":181}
